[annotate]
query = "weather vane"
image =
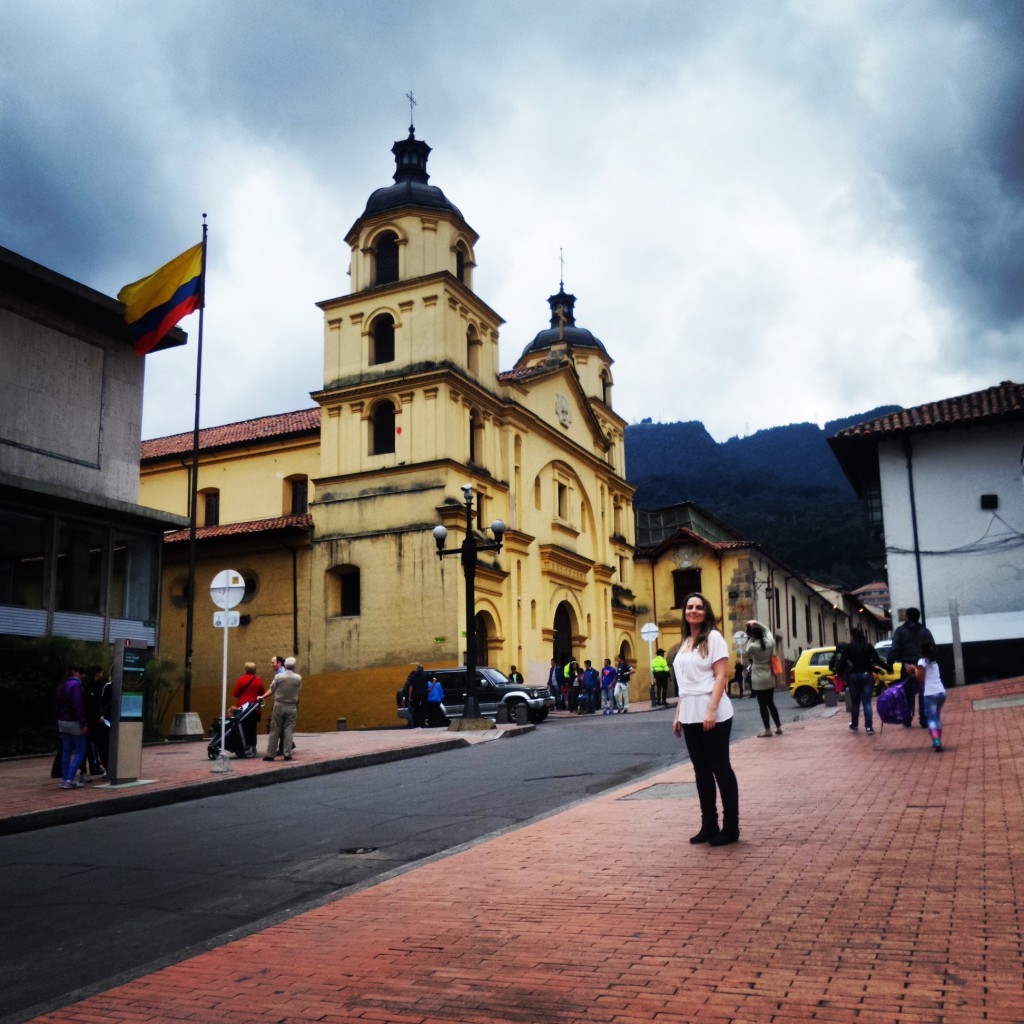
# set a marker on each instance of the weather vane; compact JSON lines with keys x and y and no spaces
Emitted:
{"x":412,"y":103}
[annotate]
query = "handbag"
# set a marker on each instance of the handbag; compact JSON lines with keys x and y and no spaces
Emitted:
{"x":70,"y":728}
{"x":776,"y":665}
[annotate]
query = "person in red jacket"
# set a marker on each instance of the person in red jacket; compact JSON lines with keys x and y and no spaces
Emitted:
{"x":248,"y":690}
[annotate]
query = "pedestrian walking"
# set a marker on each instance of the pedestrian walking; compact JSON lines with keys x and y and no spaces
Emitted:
{"x":69,"y":701}
{"x":856,"y":667}
{"x":906,"y":649}
{"x":737,"y":677}
{"x":933,"y":691}
{"x":555,"y":684}
{"x":758,"y":655}
{"x":704,"y":720}
{"x":623,"y":671}
{"x":285,"y":689}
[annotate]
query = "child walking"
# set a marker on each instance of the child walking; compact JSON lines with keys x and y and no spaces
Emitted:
{"x":934,"y":693}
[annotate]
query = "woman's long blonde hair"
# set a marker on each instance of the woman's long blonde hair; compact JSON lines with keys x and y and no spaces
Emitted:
{"x":700,"y":641}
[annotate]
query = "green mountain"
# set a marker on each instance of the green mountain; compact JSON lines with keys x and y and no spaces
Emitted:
{"x":781,"y":488}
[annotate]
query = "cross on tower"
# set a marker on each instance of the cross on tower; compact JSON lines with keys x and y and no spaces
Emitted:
{"x":412,"y":103}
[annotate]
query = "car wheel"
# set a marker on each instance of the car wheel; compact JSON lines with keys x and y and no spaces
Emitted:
{"x":806,"y":696}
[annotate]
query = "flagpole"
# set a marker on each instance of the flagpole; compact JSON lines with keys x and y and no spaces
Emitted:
{"x":194,"y":490}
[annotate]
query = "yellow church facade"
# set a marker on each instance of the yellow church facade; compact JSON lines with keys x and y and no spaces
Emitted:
{"x":328,"y":512}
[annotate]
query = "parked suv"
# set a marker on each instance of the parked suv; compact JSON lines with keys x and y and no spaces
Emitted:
{"x":493,"y":689}
{"x":807,"y":677}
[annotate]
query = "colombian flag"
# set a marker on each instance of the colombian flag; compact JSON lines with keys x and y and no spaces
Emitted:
{"x":155,"y":304}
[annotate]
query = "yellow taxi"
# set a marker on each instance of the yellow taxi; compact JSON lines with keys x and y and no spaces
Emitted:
{"x":808,"y":676}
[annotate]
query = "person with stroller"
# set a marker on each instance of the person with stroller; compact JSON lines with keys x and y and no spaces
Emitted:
{"x":758,"y":654}
{"x":248,"y":690}
{"x":856,"y":668}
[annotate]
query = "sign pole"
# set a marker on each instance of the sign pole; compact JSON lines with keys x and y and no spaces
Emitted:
{"x":227,"y":589}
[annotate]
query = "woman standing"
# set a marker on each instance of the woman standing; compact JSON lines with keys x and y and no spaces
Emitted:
{"x":704,"y":720}
{"x":759,"y":654}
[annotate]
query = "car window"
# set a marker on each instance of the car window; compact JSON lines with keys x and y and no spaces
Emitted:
{"x":821,"y":658}
{"x":454,"y":686}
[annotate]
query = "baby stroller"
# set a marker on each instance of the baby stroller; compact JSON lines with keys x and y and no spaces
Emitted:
{"x":234,"y":733}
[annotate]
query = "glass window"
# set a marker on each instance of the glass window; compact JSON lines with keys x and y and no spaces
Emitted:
{"x":684,"y":583}
{"x":133,"y":578}
{"x":211,"y":508}
{"x":79,"y":568}
{"x":300,"y":496}
{"x":22,"y":559}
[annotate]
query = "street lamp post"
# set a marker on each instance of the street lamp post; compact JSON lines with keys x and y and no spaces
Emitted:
{"x":469,"y":549}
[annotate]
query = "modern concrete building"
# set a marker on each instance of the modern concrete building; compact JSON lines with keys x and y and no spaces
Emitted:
{"x":79,"y":556}
{"x":943,"y":481}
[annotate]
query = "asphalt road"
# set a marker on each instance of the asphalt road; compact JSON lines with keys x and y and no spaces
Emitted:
{"x":88,"y":905}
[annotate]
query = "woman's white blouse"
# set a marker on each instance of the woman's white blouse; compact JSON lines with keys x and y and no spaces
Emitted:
{"x":695,"y":676}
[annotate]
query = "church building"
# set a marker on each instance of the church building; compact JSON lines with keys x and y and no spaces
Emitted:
{"x":328,"y":512}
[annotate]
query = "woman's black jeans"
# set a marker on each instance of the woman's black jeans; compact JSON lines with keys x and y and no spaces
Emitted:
{"x":709,"y":755}
{"x":766,"y":704}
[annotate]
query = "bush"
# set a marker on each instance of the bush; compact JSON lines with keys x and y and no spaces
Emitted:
{"x":32,"y":671}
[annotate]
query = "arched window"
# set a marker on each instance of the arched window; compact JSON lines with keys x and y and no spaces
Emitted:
{"x":386,"y":258}
{"x":460,"y":264}
{"x":382,"y":429}
{"x":209,"y":502}
{"x":606,"y":388}
{"x":473,"y":351}
{"x":476,"y":437}
{"x":296,"y":495}
{"x":382,"y":340}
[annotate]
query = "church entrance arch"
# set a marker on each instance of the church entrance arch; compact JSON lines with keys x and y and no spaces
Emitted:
{"x":561,"y":649}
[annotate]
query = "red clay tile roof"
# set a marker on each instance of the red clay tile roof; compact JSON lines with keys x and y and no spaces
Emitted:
{"x":304,"y":521}
{"x":1004,"y":402}
{"x":525,"y":372}
{"x":285,"y":424}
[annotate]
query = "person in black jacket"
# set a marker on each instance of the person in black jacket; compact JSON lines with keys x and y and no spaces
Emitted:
{"x":906,"y":648}
{"x":419,"y":687}
{"x":859,"y":659}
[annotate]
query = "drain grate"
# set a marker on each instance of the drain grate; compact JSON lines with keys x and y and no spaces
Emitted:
{"x":666,"y":791}
{"x":353,"y":851}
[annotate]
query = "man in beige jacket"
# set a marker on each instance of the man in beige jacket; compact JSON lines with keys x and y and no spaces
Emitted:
{"x":285,"y":689}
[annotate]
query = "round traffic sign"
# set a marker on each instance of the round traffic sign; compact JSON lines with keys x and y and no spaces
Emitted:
{"x":227,"y":588}
{"x":649,"y":632}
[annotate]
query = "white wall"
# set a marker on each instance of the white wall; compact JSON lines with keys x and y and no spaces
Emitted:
{"x":969,"y":554}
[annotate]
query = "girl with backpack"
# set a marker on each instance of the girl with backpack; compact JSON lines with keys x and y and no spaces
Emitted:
{"x":934,"y":692}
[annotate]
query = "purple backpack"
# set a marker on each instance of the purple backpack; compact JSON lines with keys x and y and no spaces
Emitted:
{"x":892,"y":705}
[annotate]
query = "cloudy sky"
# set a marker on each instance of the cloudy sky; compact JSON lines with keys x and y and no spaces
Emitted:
{"x":771,"y":212}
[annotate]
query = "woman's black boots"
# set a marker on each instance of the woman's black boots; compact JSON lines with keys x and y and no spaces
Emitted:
{"x":730,"y":833}
{"x":709,"y":830}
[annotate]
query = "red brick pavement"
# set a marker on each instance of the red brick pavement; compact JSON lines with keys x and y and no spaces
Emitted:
{"x":875,"y":881}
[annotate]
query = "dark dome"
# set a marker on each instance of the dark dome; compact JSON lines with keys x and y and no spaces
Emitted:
{"x":567,"y":331}
{"x":410,"y":187}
